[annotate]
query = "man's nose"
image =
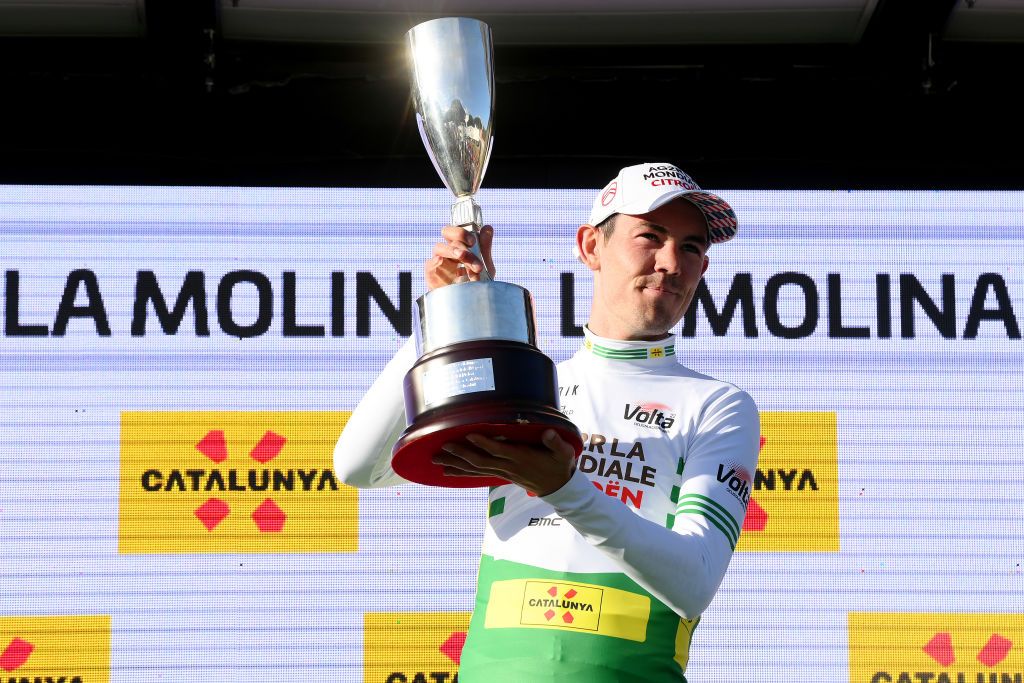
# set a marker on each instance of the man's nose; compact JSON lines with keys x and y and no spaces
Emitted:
{"x":667,"y":260}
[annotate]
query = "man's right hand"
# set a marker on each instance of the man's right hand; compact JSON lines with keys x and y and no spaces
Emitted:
{"x":443,"y":267}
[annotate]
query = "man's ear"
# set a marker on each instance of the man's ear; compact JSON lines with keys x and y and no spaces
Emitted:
{"x":588,"y":246}
{"x":705,"y":268}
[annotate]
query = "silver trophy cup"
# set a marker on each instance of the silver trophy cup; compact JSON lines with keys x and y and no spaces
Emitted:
{"x":479,"y":369}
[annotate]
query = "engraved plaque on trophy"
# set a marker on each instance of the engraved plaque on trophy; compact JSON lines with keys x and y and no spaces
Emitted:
{"x":479,"y":368}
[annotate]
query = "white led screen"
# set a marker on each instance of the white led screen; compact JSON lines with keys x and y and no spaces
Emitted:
{"x":156,"y":336}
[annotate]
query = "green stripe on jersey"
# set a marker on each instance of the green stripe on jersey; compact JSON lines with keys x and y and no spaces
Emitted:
{"x":710,"y":516}
{"x":696,"y":504}
{"x":630,"y":354}
{"x":497,"y":507}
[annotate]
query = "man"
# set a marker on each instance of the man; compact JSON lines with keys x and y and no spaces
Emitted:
{"x":599,"y":570}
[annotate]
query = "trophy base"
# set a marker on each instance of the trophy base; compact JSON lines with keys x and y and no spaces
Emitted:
{"x":413,"y":452}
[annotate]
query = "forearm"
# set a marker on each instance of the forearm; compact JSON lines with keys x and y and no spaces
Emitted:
{"x":682,"y":566}
{"x":362,"y":456}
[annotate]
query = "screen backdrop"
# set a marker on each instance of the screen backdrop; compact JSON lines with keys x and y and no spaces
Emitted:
{"x":178,"y":363}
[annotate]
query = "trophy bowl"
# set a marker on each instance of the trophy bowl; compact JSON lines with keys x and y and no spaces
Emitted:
{"x":479,"y":369}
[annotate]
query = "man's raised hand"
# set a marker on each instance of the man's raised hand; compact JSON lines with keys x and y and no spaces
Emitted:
{"x":443,"y":267}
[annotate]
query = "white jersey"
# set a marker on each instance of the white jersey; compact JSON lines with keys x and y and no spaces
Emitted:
{"x":606,"y":578}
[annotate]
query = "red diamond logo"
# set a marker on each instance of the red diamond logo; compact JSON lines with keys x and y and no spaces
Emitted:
{"x":940,"y":648}
{"x":567,"y":618}
{"x":995,"y":650}
{"x":15,"y":654}
{"x":571,"y":594}
{"x":756,"y":519}
{"x":452,"y":647}
{"x":214,"y":446}
{"x":552,"y":591}
{"x":549,"y":615}
{"x":212,"y":512}
{"x":268,"y":447}
{"x":268,"y":516}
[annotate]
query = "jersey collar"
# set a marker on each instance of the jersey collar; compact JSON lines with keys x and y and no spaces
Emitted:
{"x":644,"y":353}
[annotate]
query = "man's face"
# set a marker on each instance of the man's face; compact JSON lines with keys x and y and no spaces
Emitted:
{"x":645,"y":274}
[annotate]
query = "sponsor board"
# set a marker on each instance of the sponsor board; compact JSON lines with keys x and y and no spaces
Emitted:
{"x":522,"y":603}
{"x":65,"y":649}
{"x":794,"y":496}
{"x":252,"y":482}
{"x":413,"y":647}
{"x":936,"y":648}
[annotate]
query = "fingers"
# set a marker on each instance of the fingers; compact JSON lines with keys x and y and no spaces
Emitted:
{"x":552,"y":440}
{"x":454,"y":233}
{"x":452,"y":261}
{"x":461,"y":461}
{"x":458,"y":252}
{"x":486,"y":240}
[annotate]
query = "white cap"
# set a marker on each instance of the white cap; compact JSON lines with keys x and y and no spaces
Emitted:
{"x":643,"y":188}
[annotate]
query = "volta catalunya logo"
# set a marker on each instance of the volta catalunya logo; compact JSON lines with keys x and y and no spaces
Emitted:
{"x":413,"y":647}
{"x":15,"y":654}
{"x":793,"y":496}
{"x":936,"y":648}
{"x":268,"y":516}
{"x":55,"y":649}
{"x":234,"y":482}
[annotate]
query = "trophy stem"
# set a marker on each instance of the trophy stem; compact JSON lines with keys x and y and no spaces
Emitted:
{"x":467,"y":215}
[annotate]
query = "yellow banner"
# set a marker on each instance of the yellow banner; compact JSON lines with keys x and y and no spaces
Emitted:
{"x":234,"y":482}
{"x":525,"y":603}
{"x":794,"y":503}
{"x":403,"y":647}
{"x":55,"y":648}
{"x":941,"y":648}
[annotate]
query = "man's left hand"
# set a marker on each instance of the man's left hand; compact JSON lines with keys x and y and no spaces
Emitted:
{"x":539,"y":469}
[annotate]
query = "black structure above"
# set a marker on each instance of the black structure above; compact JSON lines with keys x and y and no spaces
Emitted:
{"x":902,"y":108}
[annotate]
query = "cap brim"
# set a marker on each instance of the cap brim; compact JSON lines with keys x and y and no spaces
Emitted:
{"x":720,"y":217}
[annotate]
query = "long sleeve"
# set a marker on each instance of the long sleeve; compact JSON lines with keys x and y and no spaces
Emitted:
{"x":362,"y":456}
{"x":682,"y":565}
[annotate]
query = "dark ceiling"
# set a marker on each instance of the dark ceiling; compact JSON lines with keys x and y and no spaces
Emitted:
{"x":900,"y":107}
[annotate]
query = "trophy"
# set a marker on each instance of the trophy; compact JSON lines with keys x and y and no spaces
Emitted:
{"x":479,"y":369}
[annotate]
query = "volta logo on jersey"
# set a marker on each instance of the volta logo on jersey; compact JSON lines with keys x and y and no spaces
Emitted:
{"x":650,"y":415}
{"x":233,"y":482}
{"x":936,"y":648}
{"x":737,"y":479}
{"x":55,"y":649}
{"x":794,"y":497}
{"x":413,"y":647}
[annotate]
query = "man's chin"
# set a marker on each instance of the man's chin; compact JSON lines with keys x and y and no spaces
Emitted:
{"x":654,"y":329}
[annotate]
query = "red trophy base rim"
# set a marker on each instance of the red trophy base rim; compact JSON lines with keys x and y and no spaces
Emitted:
{"x":412,"y":454}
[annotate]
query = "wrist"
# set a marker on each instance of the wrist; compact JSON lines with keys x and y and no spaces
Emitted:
{"x":558,"y":487}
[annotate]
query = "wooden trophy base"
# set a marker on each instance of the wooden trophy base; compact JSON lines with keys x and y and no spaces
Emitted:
{"x":416,"y":447}
{"x":520,"y":406}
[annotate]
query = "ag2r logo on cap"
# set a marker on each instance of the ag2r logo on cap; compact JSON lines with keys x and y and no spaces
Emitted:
{"x":609,"y":194}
